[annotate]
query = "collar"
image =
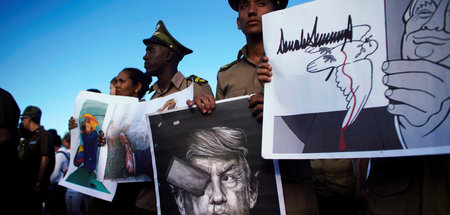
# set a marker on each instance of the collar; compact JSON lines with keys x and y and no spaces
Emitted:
{"x":176,"y":81}
{"x":243,"y":55}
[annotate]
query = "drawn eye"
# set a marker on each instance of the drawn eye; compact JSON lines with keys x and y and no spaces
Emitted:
{"x":228,"y":178}
{"x":425,"y":11}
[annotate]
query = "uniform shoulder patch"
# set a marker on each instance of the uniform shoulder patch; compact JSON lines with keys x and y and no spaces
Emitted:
{"x":197,"y":79}
{"x":223,"y":68}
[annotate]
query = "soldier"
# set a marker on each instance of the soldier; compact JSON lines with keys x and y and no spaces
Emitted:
{"x":36,"y":160}
{"x":240,"y":78}
{"x":163,"y":54}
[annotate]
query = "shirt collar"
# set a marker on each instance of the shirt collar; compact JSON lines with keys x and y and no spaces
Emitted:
{"x":243,"y":55}
{"x":176,"y":80}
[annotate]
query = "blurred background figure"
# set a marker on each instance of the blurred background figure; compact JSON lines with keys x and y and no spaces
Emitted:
{"x":56,"y":204}
{"x":36,"y":161}
{"x":76,"y":202}
{"x":9,"y":140}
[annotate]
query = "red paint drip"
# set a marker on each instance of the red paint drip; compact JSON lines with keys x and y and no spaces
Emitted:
{"x":342,"y":140}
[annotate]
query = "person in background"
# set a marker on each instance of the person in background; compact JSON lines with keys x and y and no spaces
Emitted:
{"x":56,"y":204}
{"x":112,"y":86}
{"x":9,"y":141}
{"x":36,"y":160}
{"x":76,"y":202}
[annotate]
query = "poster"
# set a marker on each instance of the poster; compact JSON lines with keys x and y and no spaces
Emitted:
{"x":83,"y":174}
{"x":211,"y":164}
{"x":372,"y":80}
{"x":127,"y":137}
{"x":126,"y":157}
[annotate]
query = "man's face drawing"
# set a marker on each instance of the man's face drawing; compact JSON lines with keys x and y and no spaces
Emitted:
{"x":228,"y":191}
{"x":427,"y":31}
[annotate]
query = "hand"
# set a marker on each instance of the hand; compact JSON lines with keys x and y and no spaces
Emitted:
{"x":205,"y":103}
{"x":421,"y":90}
{"x":72,"y":123}
{"x":101,"y":140}
{"x":37,"y":187}
{"x":264,"y":70}
{"x":256,"y":102}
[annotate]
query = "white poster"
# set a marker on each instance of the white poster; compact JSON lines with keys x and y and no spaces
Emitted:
{"x":83,"y":173}
{"x":128,"y":138}
{"x":95,"y":170}
{"x":337,"y":91}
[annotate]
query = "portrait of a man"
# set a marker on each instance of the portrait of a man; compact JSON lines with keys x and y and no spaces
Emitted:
{"x":230,"y":187}
{"x":212,"y":164}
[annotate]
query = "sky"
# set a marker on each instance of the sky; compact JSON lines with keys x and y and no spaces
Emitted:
{"x":50,"y":50}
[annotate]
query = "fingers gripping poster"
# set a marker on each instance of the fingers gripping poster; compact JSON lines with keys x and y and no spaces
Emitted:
{"x":356,"y":78}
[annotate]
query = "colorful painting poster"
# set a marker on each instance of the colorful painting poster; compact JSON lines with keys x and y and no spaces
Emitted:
{"x":211,"y":164}
{"x":357,"y":78}
{"x":83,"y":173}
{"x":128,"y":139}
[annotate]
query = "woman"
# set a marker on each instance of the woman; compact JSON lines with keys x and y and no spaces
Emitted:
{"x":130,"y":82}
{"x":133,"y":82}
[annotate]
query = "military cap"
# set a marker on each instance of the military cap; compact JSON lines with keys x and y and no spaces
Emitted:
{"x":279,"y":4}
{"x":164,"y":38}
{"x":33,"y":112}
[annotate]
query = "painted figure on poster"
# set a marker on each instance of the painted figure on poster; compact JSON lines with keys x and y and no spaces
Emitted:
{"x":87,"y":152}
{"x":419,"y":83}
{"x":223,"y":181}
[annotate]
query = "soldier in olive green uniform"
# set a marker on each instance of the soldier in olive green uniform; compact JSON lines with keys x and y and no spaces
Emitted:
{"x":163,"y":54}
{"x":240,"y":78}
{"x":163,"y":46}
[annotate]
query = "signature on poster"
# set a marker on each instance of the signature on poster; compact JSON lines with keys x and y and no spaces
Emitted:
{"x":346,"y":52}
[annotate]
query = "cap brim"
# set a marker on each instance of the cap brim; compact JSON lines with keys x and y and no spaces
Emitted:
{"x":154,"y":40}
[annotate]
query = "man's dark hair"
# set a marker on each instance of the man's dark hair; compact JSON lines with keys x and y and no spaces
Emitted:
{"x":94,"y":90}
{"x":54,"y":137}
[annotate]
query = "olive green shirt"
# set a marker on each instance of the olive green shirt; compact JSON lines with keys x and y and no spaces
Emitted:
{"x":238,"y":78}
{"x":146,"y":199}
{"x":178,"y":83}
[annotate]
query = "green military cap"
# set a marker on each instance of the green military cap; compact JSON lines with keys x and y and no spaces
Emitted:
{"x":163,"y":37}
{"x":279,"y":4}
{"x":33,"y":112}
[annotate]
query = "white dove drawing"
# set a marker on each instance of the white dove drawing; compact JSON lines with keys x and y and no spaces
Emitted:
{"x":353,"y":69}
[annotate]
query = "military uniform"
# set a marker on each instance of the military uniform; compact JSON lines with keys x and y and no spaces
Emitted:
{"x":240,"y":78}
{"x":335,"y":185}
{"x":146,"y":200}
{"x":417,"y":185}
{"x":147,"y":196}
{"x":31,"y":151}
{"x":178,"y":83}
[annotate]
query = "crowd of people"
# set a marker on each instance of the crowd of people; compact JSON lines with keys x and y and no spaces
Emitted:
{"x":36,"y":159}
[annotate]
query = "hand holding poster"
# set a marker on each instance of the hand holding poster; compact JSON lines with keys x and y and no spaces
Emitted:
{"x":343,"y":99}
